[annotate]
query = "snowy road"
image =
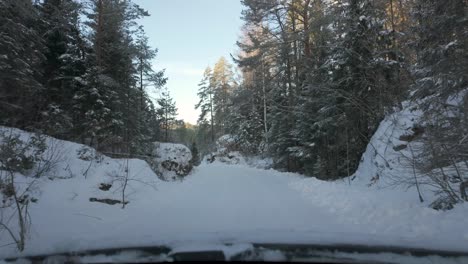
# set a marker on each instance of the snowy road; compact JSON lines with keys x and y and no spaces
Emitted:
{"x":237,"y":204}
{"x":246,"y":204}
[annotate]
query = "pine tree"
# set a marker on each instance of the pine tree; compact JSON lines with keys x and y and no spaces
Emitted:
{"x":441,"y":83}
{"x":206,"y":104}
{"x":21,"y":56}
{"x":167,"y":113}
{"x":222,"y":83}
{"x":64,"y":66}
{"x":83,"y":80}
{"x":115,"y":51}
{"x":333,"y":72}
{"x":441,"y":45}
{"x":195,"y":156}
{"x":203,"y":137}
{"x":357,"y":88}
{"x":245,"y":121}
{"x":313,"y":103}
{"x":255,"y":64}
{"x":145,"y":74}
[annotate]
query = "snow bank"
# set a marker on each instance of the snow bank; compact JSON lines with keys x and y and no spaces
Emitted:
{"x":70,"y":160}
{"x":65,"y":192}
{"x":394,"y":156}
{"x":387,"y":158}
{"x":172,"y":161}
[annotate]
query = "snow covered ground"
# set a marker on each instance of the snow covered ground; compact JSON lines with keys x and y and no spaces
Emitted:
{"x":220,"y":203}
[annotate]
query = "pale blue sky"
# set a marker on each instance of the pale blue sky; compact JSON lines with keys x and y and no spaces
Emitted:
{"x":190,"y":35}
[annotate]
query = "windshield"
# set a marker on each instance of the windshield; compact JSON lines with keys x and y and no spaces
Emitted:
{"x":299,"y":130}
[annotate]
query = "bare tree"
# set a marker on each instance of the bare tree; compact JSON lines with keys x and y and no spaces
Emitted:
{"x":28,"y":158}
{"x":124,"y":179}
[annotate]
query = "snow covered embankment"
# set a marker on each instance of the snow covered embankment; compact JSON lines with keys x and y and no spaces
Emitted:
{"x":53,"y":177}
{"x":394,"y":156}
{"x":387,"y":159}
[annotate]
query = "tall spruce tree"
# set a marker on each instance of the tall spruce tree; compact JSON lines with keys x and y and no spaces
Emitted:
{"x":167,"y":113}
{"x":222,"y":83}
{"x":441,"y":81}
{"x":206,"y":103}
{"x":21,"y":57}
{"x":64,"y":66}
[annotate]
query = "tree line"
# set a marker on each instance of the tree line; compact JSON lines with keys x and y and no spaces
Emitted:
{"x":319,"y":76}
{"x":81,"y":71}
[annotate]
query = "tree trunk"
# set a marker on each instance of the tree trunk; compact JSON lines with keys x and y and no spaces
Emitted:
{"x":264,"y":101}
{"x":307,"y":48}
{"x":212,"y":120}
{"x":99,"y":33}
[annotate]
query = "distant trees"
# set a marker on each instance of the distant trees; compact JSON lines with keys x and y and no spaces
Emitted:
{"x":79,"y":79}
{"x":222,"y":83}
{"x":206,"y":104}
{"x":214,"y":94}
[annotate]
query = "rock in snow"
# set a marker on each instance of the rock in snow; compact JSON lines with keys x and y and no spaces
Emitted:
{"x":228,"y":151}
{"x":172,"y":161}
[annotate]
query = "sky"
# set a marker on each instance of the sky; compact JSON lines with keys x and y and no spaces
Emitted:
{"x":190,"y":35}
